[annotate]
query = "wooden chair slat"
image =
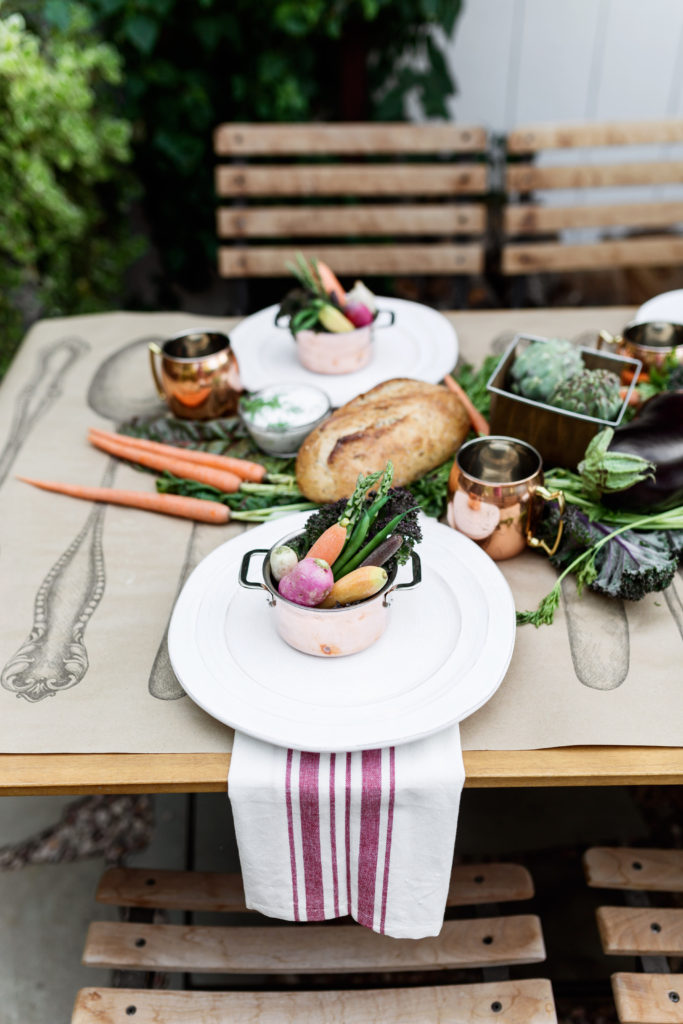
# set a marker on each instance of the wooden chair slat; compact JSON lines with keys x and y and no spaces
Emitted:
{"x":523,"y":178}
{"x":216,"y":891}
{"x":346,"y":138}
{"x":351,"y":179}
{"x":641,"y":931}
{"x":514,"y":1002}
{"x":648,"y":998}
{"x":544,"y":257}
{"x":340,"y":221}
{"x":530,"y":138}
{"x":480,"y":942}
{"x":528,"y":219}
{"x":611,"y":867}
{"x":269,"y":261}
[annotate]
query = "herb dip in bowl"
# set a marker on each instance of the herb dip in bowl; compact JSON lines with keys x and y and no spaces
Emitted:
{"x":279,"y":417}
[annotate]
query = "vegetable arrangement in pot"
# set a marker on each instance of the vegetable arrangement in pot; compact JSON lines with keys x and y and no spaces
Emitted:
{"x":345,"y":551}
{"x":329,"y":583}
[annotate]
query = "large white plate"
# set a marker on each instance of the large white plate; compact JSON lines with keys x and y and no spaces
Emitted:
{"x":421,"y":344}
{"x":667,"y":307}
{"x":444,"y":653}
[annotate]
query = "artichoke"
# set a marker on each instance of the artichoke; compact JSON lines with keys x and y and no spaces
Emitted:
{"x":542,"y":367}
{"x":591,"y":393}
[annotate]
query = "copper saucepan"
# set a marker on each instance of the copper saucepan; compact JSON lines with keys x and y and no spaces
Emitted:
{"x":650,"y":342}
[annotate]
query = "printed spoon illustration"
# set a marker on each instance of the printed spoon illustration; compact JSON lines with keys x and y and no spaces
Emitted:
{"x":598,"y":637}
{"x":54,"y":656}
{"x":36,"y":397}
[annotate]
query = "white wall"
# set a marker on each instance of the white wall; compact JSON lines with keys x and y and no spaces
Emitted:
{"x":567,"y":60}
{"x":527,"y":61}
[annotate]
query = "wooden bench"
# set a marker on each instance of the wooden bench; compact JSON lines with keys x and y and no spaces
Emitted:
{"x":366,"y":198}
{"x":653,"y":934}
{"x":624,"y":233}
{"x":488,"y":942}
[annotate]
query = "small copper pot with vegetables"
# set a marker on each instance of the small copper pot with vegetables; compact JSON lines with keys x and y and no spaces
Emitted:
{"x":329,"y":585}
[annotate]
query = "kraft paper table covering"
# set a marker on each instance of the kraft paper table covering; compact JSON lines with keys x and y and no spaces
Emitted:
{"x":541,"y":703}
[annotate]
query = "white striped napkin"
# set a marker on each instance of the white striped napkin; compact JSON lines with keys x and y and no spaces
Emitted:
{"x":369,"y":834}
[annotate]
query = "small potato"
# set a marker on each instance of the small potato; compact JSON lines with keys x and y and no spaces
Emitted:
{"x":309,"y":582}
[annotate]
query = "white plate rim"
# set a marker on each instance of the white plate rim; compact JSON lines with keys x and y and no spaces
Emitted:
{"x":477,"y":686}
{"x":434,"y":362}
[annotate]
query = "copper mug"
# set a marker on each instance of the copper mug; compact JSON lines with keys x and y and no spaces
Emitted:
{"x":495,"y":487}
{"x":198,"y":377}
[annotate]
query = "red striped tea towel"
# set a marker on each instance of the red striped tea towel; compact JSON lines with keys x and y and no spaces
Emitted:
{"x":369,"y":834}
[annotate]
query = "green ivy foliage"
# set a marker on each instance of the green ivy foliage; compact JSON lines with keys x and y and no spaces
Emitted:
{"x":191,"y":64}
{"x":64,"y":243}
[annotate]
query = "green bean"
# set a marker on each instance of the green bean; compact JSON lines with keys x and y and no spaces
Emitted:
{"x":376,"y":541}
{"x":358,"y":535}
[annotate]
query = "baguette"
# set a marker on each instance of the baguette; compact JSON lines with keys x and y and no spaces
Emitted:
{"x":415,"y":425}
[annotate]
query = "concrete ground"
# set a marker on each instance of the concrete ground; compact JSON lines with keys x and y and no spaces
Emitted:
{"x":46,"y":908}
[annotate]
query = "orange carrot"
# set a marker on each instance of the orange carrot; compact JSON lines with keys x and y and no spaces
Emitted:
{"x":243,"y":468}
{"x":634,"y":398}
{"x":171,"y":504}
{"x":628,"y":375}
{"x":330,"y":281}
{"x":478,"y":421}
{"x":226,"y":482}
{"x":329,"y":544}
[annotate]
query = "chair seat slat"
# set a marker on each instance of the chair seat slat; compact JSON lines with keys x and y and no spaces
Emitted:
{"x":545,"y":257}
{"x":270,"y":261}
{"x":216,"y":891}
{"x":525,"y":178}
{"x":621,"y":867}
{"x":351,"y":179}
{"x":515,"y":1002}
{"x":647,"y":931}
{"x":480,"y":942}
{"x":348,"y":138}
{"x":528,"y":219}
{"x":362,"y":219}
{"x":648,"y":998}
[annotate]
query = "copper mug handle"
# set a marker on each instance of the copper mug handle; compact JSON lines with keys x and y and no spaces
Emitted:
{"x":531,"y":539}
{"x":155,"y":350}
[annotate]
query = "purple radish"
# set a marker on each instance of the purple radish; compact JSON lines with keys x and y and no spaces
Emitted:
{"x":308,"y":583}
{"x":358,"y":314}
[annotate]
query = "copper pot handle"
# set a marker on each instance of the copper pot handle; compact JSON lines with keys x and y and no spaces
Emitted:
{"x":154,"y":350}
{"x":531,"y":539}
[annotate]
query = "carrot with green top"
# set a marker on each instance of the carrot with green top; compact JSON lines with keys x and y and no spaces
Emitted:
{"x":171,"y":504}
{"x":478,"y":421}
{"x":242,"y":468}
{"x":329,"y":544}
{"x":226,"y":482}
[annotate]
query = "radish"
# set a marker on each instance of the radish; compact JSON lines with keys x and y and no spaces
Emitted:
{"x":358,"y":314}
{"x":282,"y":561}
{"x":308,"y":583}
{"x":362,"y":294}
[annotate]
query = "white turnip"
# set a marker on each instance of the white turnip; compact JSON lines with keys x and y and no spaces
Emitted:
{"x":282,"y":561}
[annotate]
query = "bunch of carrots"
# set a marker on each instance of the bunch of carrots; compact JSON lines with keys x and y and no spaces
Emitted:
{"x":224,"y":474}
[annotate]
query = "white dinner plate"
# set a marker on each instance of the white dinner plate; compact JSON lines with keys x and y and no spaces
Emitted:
{"x":667,"y":307}
{"x":444,"y":653}
{"x":421,"y":344}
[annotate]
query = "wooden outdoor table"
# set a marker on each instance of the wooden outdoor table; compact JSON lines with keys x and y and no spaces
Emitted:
{"x":567,"y":766}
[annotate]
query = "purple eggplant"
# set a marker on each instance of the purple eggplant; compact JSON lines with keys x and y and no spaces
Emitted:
{"x":656,"y":434}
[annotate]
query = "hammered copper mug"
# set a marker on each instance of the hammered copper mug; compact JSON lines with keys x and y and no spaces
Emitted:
{"x":496,"y":486}
{"x":198,"y":375}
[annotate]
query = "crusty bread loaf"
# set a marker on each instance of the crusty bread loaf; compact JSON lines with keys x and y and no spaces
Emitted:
{"x":416,"y":425}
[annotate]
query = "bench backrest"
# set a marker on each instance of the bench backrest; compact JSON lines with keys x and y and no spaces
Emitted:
{"x":622,"y":233}
{"x":375,"y":198}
